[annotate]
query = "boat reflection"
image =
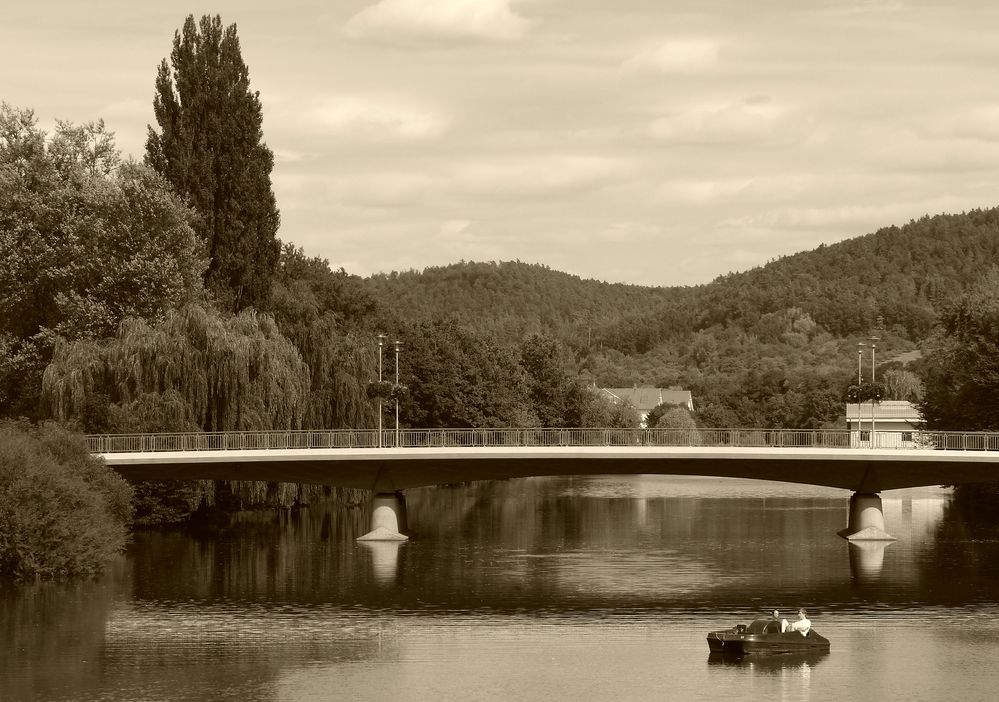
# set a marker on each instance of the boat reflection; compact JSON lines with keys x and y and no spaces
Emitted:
{"x":770,"y":664}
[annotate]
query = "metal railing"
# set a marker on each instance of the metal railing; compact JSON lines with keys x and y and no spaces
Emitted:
{"x":427,"y":438}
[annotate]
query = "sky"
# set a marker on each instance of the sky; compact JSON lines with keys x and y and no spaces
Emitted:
{"x":654,"y":142}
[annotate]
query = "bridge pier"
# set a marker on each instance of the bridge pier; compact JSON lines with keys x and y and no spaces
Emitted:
{"x":388,"y":518}
{"x":867,"y":519}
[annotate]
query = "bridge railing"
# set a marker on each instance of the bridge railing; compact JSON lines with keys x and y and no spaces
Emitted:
{"x":430,"y":438}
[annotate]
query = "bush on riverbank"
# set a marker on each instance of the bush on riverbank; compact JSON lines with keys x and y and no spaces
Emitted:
{"x":62,"y":511}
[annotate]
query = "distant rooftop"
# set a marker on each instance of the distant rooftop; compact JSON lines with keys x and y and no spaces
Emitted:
{"x":644,"y":399}
{"x":887,"y":409}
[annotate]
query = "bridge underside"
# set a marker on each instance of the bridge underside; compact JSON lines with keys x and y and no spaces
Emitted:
{"x":398,"y":469}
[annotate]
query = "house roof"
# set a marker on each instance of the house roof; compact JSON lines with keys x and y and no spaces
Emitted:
{"x":644,"y":399}
{"x":888,"y":409}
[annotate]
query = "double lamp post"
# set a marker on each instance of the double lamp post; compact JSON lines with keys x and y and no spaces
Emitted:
{"x":860,"y":379}
{"x":398,"y":346}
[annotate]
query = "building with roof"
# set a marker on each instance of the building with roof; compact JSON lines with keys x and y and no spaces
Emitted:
{"x":646,"y":399}
{"x":895,"y":421}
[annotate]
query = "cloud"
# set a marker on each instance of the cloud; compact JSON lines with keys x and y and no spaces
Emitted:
{"x":750,"y":120}
{"x":979,"y":124}
{"x":438,"y":19}
{"x":378,"y":117}
{"x":542,"y":175}
{"x":385,"y":189}
{"x":675,"y":56}
{"x":691,"y":190}
{"x":729,"y":189}
{"x":454,"y":229}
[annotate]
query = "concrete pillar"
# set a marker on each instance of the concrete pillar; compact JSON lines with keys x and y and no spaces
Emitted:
{"x":867,"y":519}
{"x":388,"y":518}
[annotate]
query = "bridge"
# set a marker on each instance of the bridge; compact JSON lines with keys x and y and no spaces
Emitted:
{"x":389,"y":462}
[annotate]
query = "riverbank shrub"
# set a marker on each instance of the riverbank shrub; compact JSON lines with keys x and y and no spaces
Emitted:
{"x":62,"y":511}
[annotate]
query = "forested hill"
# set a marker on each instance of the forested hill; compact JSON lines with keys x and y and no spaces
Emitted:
{"x":772,"y":346}
{"x":901,"y":274}
{"x":511,"y":298}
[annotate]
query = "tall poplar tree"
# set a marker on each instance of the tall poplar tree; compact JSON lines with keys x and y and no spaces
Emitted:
{"x":210,"y":148}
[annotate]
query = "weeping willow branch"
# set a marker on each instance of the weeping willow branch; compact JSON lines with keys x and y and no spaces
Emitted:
{"x":235,"y":372}
{"x":340,"y":366}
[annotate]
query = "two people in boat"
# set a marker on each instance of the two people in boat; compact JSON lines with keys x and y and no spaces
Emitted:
{"x":802,"y":625}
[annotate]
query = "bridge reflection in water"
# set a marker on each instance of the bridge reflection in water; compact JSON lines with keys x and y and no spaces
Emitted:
{"x":390,"y":462}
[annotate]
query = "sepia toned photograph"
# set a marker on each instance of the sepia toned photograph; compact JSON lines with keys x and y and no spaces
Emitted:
{"x":501,"y":350}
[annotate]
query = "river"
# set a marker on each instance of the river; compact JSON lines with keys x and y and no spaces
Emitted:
{"x":597,"y":588}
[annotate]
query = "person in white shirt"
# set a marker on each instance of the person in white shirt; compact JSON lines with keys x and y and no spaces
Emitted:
{"x":802,"y":625}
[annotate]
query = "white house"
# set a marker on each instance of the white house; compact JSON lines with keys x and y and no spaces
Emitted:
{"x":645,"y":399}
{"x":894,"y":422}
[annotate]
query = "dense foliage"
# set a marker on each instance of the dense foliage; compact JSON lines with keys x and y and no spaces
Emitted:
{"x":210,"y":149}
{"x":61,"y":510}
{"x":233,"y":372}
{"x":321,"y":311}
{"x":962,"y":371}
{"x":510,"y":299}
{"x":85,"y":241}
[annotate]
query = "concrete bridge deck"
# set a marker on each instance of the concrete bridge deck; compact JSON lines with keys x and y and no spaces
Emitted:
{"x":416,"y":458}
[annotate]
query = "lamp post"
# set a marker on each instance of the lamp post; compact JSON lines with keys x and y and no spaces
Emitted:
{"x":860,"y":381}
{"x":872,"y":339}
{"x":398,"y":345}
{"x":381,"y":342}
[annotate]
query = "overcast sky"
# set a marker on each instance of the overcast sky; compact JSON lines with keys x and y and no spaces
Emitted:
{"x":659,"y":142}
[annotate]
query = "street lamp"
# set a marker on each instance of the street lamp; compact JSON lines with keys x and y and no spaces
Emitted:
{"x":381,"y":342}
{"x":860,"y":381}
{"x":398,"y":345}
{"x":873,"y":339}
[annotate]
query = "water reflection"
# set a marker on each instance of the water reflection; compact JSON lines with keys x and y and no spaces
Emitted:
{"x":867,"y":559}
{"x":384,"y":560}
{"x":770,"y":664}
{"x":521,"y":586}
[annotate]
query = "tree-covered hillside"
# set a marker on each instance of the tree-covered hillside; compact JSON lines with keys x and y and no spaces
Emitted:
{"x":510,"y":298}
{"x":903,"y":275}
{"x":773,"y":346}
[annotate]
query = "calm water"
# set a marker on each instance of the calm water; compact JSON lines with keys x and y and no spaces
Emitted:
{"x":540,"y":589}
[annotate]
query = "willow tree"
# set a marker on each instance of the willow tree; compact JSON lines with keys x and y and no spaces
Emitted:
{"x":321,"y":311}
{"x":235,"y":372}
{"x":210,"y":148}
{"x":341,"y":365}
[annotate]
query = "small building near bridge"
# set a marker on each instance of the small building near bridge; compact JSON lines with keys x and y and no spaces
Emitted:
{"x":646,"y":399}
{"x":895,"y":422}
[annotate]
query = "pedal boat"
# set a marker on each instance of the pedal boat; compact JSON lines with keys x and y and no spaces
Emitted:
{"x":764,"y":637}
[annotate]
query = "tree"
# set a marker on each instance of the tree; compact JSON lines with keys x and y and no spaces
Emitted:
{"x":900,"y":384}
{"x":659,"y":411}
{"x":62,"y":511}
{"x":600,"y":411}
{"x":675,"y":418}
{"x":459,"y":378}
{"x":549,"y":385}
{"x":961,"y":372}
{"x":320,"y":311}
{"x":233,"y":372}
{"x":306,"y":289}
{"x":210,"y":149}
{"x":85,"y":241}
